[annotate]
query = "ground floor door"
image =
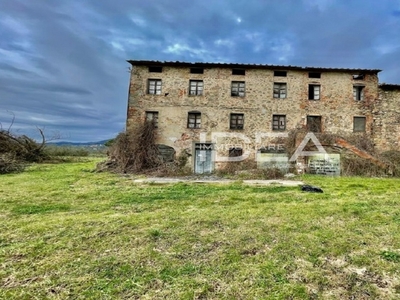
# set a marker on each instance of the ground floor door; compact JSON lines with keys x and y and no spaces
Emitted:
{"x":203,"y":162}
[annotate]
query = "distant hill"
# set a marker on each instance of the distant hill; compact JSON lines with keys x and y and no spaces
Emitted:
{"x":63,"y":143}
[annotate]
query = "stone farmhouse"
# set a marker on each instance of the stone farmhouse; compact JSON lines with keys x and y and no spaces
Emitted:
{"x":216,"y":111}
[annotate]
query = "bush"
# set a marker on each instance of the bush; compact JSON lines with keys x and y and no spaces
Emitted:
{"x":8,"y":164}
{"x":356,"y":166}
{"x":134,"y":151}
{"x":18,"y":150}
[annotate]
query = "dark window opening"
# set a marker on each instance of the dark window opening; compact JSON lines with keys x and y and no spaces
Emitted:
{"x":314,"y":92}
{"x":154,"y":86}
{"x":314,"y":75}
{"x":238,"y":89}
{"x":194,"y":120}
{"x":359,"y":124}
{"x":278,"y":122}
{"x":235,"y":152}
{"x":152,"y":116}
{"x":280,"y":73}
{"x":155,"y":69}
{"x":236,"y":121}
{"x":358,"y":93}
{"x":314,"y":123}
{"x":196,"y":70}
{"x":238,"y":72}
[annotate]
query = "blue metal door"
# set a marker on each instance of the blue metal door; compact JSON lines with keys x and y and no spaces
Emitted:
{"x":203,"y":159}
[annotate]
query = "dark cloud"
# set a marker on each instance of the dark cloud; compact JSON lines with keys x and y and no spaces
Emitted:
{"x":63,"y":63}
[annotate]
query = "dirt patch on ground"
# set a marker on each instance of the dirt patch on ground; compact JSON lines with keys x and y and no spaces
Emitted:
{"x":215,"y":180}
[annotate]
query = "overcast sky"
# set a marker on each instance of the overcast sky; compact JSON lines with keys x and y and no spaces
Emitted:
{"x":63,"y":62}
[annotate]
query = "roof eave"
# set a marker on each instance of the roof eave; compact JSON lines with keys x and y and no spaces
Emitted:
{"x":245,"y":66}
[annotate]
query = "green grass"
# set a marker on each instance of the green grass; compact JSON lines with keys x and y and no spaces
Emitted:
{"x":69,"y":233}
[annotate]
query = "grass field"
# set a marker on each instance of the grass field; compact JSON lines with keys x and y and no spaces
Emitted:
{"x":69,"y":233}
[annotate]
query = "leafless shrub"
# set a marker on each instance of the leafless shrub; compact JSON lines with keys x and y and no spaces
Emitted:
{"x":8,"y":164}
{"x":356,"y":166}
{"x":134,"y":151}
{"x":362,"y":141}
{"x":18,"y":150}
{"x":392,"y":159}
{"x":22,"y":147}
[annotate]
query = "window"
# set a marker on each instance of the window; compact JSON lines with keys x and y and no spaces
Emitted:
{"x":152,"y":116}
{"x":358,"y":93}
{"x":196,"y":87}
{"x":196,"y":70}
{"x":279,"y":90}
{"x":235,"y":152}
{"x":238,"y":72}
{"x":237,"y":121}
{"x":154,"y":87}
{"x":314,"y":91}
{"x":314,"y":123}
{"x":358,"y":76}
{"x":194,"y":120}
{"x":314,"y":75}
{"x":278,"y":122}
{"x":155,"y":69}
{"x":280,"y":73}
{"x":237,"y":89}
{"x":359,"y":124}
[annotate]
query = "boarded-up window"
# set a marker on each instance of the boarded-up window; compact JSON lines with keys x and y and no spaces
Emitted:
{"x":358,"y":93}
{"x":194,"y":120}
{"x":196,"y":87}
{"x":238,"y":89}
{"x":236,"y":121}
{"x":359,"y":124}
{"x":154,"y":86}
{"x":152,"y":116}
{"x":314,"y":123}
{"x":314,"y":91}
{"x":279,"y":90}
{"x":278,"y":122}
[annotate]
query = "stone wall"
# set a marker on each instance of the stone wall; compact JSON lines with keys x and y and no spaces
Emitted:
{"x":336,"y":105}
{"x":387,"y":118}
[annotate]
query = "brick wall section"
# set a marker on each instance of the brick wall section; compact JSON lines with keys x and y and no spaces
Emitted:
{"x":387,"y":118}
{"x":336,"y":106}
